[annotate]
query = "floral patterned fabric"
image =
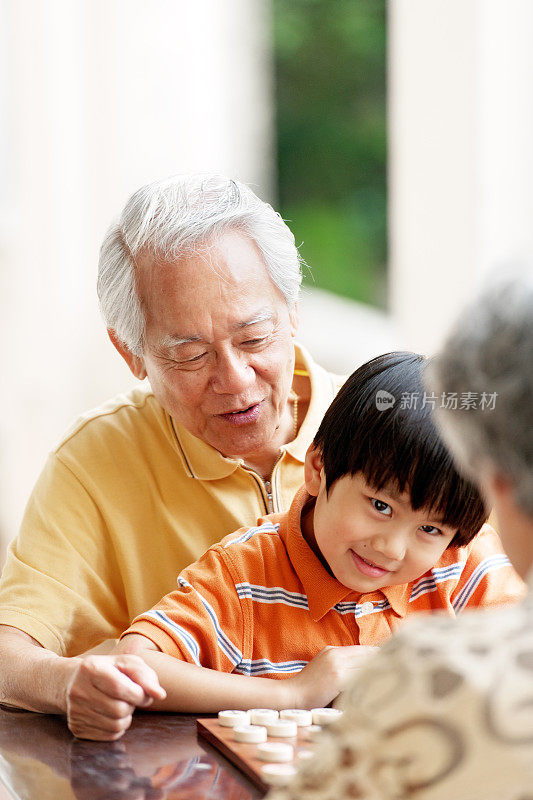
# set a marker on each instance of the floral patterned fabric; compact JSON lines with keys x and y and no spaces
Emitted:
{"x":443,"y":712}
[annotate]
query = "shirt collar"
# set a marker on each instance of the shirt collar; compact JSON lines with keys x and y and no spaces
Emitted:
{"x":199,"y":459}
{"x":398,"y":597}
{"x":202,"y":461}
{"x":322,"y":589}
{"x":322,"y":393}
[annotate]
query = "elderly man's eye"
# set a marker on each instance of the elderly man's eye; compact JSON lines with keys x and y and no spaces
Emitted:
{"x":253,"y":342}
{"x":193,"y":359}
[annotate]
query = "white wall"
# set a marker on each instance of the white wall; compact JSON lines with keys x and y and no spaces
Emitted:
{"x":96,"y":98}
{"x":460,"y":159}
{"x":99,"y":96}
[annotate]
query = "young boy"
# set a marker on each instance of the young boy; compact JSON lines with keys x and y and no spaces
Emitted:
{"x":383,"y":527}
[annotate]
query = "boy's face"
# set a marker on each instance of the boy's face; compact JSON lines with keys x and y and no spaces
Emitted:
{"x":370,"y":539}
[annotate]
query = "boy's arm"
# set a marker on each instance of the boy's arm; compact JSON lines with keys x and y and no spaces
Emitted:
{"x":193,"y":689}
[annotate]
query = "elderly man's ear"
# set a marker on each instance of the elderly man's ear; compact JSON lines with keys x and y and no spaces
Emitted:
{"x":135,"y":363}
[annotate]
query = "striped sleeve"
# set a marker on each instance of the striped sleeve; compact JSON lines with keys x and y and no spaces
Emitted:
{"x":201,"y":621}
{"x":488,"y":579}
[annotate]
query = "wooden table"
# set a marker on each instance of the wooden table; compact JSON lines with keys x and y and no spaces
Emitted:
{"x":159,"y":758}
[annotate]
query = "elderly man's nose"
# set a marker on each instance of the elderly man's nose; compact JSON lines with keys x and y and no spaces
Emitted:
{"x":232,"y":375}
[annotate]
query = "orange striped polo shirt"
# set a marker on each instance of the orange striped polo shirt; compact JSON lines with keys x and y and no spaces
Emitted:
{"x":261,"y":603}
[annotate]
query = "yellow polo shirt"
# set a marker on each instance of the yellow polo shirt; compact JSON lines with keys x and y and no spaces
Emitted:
{"x":125,"y":502}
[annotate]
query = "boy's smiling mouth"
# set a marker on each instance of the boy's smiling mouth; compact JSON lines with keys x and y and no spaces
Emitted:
{"x":368,"y":567}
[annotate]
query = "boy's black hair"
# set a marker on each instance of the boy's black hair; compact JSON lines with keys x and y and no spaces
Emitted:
{"x":397,"y":444}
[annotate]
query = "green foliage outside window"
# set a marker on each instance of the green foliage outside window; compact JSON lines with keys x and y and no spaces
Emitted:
{"x":331,"y":129}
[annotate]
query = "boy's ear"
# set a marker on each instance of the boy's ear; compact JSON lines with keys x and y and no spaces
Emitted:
{"x":313,"y":470}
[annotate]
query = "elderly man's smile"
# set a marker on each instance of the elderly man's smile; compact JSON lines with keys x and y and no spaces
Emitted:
{"x":242,"y":416}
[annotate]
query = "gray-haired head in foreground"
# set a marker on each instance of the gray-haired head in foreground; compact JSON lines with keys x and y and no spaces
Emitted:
{"x":490,"y":350}
{"x":177,"y":216}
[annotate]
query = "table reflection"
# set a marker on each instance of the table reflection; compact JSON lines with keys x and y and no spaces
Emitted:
{"x":159,"y":758}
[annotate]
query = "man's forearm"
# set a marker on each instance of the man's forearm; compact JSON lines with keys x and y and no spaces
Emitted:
{"x":194,"y":689}
{"x":32,"y":677}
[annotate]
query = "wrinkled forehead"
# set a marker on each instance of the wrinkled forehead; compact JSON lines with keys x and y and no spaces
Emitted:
{"x":207,"y":294}
{"x":230,"y":259}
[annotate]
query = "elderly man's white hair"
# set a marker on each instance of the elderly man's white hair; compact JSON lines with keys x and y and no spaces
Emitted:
{"x":176,"y":216}
{"x":490,"y":350}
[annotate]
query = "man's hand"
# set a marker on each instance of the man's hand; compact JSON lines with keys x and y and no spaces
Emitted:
{"x":103,"y":693}
{"x":327,"y":674}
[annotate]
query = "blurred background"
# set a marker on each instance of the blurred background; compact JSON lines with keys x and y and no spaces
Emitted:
{"x":394,"y":137}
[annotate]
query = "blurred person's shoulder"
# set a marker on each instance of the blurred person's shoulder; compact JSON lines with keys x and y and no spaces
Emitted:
{"x":443,"y":691}
{"x":480,"y":642}
{"x":436,"y":666}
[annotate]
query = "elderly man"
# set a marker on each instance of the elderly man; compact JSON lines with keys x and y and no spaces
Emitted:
{"x":444,"y":710}
{"x":198,"y":284}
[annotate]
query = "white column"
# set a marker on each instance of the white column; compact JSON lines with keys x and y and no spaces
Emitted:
{"x":96,"y":98}
{"x":461,"y":162}
{"x":506,"y":125}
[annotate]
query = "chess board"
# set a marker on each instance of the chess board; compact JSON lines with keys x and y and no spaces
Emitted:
{"x":242,"y":755}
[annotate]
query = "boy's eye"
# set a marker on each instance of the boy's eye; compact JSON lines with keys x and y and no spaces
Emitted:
{"x":431,"y":530}
{"x":382,"y":507}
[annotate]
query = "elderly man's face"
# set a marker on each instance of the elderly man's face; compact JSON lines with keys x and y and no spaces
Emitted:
{"x":219,"y":353}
